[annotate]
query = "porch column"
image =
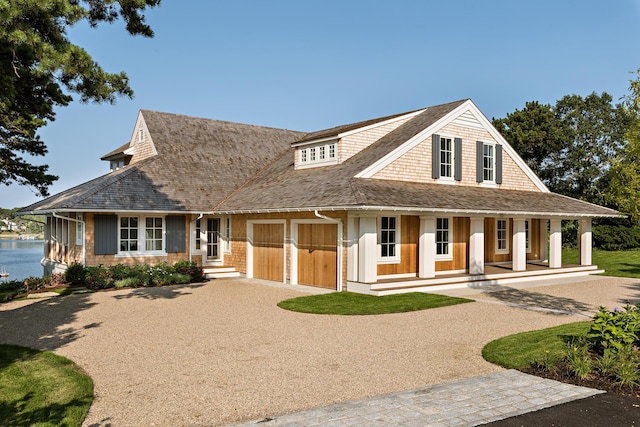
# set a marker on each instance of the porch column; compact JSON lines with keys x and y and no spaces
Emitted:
{"x":544,"y":252}
{"x":519,"y":245}
{"x":427,"y":247}
{"x":352,"y":248}
{"x":476,"y":246}
{"x":368,"y":250}
{"x":585,"y":241}
{"x":555,"y":243}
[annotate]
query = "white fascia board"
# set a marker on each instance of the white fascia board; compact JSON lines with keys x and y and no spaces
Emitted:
{"x":362,"y":129}
{"x":468,"y":105}
{"x":413,"y":142}
{"x":115,"y":211}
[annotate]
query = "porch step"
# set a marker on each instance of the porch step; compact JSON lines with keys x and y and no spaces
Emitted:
{"x":470,"y":281}
{"x":220,"y":272}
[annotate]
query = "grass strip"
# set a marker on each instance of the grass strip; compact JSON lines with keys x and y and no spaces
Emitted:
{"x":615,"y":263}
{"x":350,"y":303}
{"x":42,"y":389}
{"x":521,"y":350}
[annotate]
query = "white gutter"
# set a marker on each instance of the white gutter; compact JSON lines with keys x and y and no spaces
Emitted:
{"x":84,"y":233}
{"x":190,"y":245}
{"x":339,"y":249}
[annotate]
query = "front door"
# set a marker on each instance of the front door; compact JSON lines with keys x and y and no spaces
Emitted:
{"x":213,"y":239}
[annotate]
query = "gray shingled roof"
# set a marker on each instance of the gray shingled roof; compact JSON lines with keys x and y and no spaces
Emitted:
{"x":207,"y":165}
{"x":199,"y":163}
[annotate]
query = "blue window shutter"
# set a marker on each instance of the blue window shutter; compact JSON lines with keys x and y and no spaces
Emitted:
{"x":498,"y":164}
{"x":105,"y":232}
{"x":479,"y":161}
{"x":176,"y":234}
{"x":435,"y":157}
{"x":457,"y":153}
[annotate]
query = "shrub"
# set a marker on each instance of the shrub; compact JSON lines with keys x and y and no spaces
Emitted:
{"x":119,"y":271}
{"x":127,"y":282}
{"x":56,"y":279}
{"x":99,"y":277}
{"x":76,"y":273}
{"x":11,"y":286}
{"x":34,"y":283}
{"x":614,"y":330}
{"x":181,"y":278}
{"x":190,"y":268}
{"x":579,"y":360}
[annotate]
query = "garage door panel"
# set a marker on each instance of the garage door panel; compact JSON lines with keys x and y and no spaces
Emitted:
{"x":317,"y":255}
{"x":268,"y":251}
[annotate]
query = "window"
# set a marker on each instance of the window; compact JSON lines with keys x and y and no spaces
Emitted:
{"x":198,"y":231}
{"x":140,"y":135}
{"x":443,"y":240}
{"x":527,"y":235}
{"x":117,"y":164}
{"x":128,"y":234}
{"x":332,"y":151}
{"x":227,"y":235}
{"x":446,"y":157}
{"x":303,"y":155}
{"x":79,"y":230}
{"x":312,"y":156}
{"x":318,"y":154}
{"x":153,"y":234}
{"x":502,"y":236}
{"x":488,"y":162}
{"x":388,"y":238}
{"x":144,"y":234}
{"x":321,"y":151}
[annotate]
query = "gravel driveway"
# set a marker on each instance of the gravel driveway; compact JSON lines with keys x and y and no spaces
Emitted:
{"x":223,"y":352}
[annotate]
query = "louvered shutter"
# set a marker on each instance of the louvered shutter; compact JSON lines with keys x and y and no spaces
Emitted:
{"x":498,"y":164}
{"x":457,"y":159}
{"x":435,"y":156}
{"x":105,"y":231}
{"x":479,"y":161}
{"x":176,"y":234}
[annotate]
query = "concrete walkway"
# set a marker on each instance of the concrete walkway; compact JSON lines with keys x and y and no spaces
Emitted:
{"x":468,"y":402}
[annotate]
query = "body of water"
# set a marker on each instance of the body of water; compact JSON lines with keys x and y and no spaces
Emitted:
{"x":21,"y":258}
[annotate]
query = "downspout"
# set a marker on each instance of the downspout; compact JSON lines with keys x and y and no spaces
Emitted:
{"x":339,"y":253}
{"x":84,"y":233}
{"x":190,"y":245}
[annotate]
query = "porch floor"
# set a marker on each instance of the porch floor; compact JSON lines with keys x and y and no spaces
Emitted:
{"x":493,"y":275}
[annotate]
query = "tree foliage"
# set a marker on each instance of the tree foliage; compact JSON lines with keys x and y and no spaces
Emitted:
{"x":624,"y":183}
{"x":570,"y":145}
{"x":40,"y":69}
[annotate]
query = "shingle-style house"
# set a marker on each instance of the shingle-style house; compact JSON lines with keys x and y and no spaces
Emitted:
{"x":428,"y":198}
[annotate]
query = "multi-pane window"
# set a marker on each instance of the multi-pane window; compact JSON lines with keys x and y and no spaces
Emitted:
{"x":527,"y":235}
{"x":442,"y":236}
{"x":128,"y":233}
{"x":153,"y":234}
{"x":446,"y":157}
{"x":79,"y":230}
{"x":332,"y":151}
{"x":502,"y":233}
{"x":198,"y":231}
{"x":321,"y":152}
{"x":388,"y":236}
{"x":312,"y":154}
{"x":227,"y":235}
{"x":488,"y":162}
{"x":303,"y":155}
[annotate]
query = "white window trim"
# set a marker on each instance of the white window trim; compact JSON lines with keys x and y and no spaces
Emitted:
{"x":489,"y":182}
{"x":141,"y":237}
{"x":527,"y":228}
{"x":448,"y":179}
{"x":79,"y":230}
{"x":449,"y":255}
{"x":389,"y":259}
{"x":507,"y":235}
{"x":227,"y":235}
{"x":304,"y":155}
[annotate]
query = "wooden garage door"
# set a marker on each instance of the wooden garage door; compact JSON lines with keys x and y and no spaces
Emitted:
{"x":268,"y":251}
{"x":317,"y":255}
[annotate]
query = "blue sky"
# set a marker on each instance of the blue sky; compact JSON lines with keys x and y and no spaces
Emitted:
{"x":310,"y":65}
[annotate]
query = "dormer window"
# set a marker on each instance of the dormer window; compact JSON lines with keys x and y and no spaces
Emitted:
{"x":140,"y":135}
{"x":317,"y":155}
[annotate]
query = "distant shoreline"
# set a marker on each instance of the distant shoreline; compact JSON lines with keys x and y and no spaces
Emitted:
{"x":16,"y":236}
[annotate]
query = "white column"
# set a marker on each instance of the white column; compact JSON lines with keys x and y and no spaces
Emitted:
{"x":368,"y":250}
{"x":555,"y":243}
{"x":352,"y":248}
{"x":585,"y":241}
{"x":544,"y":253}
{"x":519,"y":245}
{"x":427,"y":247}
{"x":476,"y":246}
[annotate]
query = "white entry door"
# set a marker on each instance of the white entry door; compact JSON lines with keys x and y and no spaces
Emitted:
{"x":213,"y":239}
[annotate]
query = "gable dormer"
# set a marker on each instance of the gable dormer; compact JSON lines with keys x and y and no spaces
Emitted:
{"x":336,"y":145}
{"x":141,"y":144}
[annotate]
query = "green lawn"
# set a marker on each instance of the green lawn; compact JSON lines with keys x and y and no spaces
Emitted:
{"x":521,"y":350}
{"x":350,"y":303}
{"x":41,"y":389}
{"x":615,"y":263}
